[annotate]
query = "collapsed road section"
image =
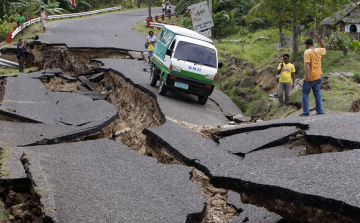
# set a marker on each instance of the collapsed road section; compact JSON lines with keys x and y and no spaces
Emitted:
{"x":116,"y":184}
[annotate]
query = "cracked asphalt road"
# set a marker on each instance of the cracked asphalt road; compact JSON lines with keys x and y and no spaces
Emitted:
{"x":326,"y":182}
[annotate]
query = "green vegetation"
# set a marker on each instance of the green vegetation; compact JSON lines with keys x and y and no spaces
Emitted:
{"x":245,"y":61}
{"x":12,"y":71}
{"x":4,"y":155}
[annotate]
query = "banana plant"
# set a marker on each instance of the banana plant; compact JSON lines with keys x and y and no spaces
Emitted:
{"x":36,"y":5}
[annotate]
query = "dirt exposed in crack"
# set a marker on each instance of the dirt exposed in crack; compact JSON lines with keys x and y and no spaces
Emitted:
{"x":71,"y":60}
{"x":137,"y":110}
{"x":217,"y":209}
{"x":20,"y":204}
{"x":207,"y":132}
{"x":315,"y":148}
{"x":297,"y":141}
{"x":57,"y":84}
{"x":293,"y":212}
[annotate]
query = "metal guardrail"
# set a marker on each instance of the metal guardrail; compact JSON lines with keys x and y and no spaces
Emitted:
{"x":70,"y":15}
{"x":8,"y":63}
{"x":155,"y":24}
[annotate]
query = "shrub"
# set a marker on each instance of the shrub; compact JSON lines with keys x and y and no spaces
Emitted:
{"x":248,"y":82}
{"x":354,"y":44}
{"x":256,"y":24}
{"x":243,"y":31}
{"x":357,"y":77}
{"x":221,"y":24}
{"x":5,"y":27}
{"x":186,"y":22}
{"x":341,"y":41}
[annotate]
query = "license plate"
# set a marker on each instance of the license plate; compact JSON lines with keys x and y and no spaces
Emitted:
{"x":181,"y":85}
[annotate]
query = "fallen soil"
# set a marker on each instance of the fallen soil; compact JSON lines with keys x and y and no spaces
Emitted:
{"x":75,"y":61}
{"x":355,"y":106}
{"x":137,"y":110}
{"x":57,"y":84}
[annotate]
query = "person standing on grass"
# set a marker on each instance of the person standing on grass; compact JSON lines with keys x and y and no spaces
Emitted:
{"x":21,"y":20}
{"x":287,"y":72}
{"x":313,"y":75}
{"x":150,"y":39}
{"x":21,"y":47}
{"x":43,"y":19}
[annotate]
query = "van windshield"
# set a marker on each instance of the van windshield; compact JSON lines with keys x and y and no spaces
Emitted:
{"x":195,"y":53}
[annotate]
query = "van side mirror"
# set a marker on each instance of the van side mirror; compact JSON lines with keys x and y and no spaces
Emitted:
{"x":220,"y":65}
{"x":169,"y":52}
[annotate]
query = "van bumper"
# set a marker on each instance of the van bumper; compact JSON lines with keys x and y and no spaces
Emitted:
{"x":196,"y":87}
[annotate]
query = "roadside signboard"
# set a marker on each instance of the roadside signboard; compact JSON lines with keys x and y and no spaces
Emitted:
{"x":201,"y":16}
{"x":206,"y":33}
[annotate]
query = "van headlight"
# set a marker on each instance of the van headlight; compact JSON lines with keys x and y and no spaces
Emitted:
{"x":177,"y":69}
{"x":209,"y":77}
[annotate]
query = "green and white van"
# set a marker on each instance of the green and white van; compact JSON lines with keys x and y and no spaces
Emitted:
{"x":184,"y":60}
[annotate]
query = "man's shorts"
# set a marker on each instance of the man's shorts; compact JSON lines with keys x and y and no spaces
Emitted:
{"x":22,"y":26}
{"x":150,"y":53}
{"x":43,"y":23}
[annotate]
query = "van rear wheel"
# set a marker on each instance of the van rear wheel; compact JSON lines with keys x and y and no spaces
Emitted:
{"x":162,"y":87}
{"x":202,"y":99}
{"x":154,"y":75}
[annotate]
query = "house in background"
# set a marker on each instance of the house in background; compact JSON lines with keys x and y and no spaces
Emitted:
{"x":348,"y":19}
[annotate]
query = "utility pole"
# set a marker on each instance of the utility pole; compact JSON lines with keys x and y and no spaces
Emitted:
{"x":149,"y":1}
{"x":30,"y":13}
{"x":210,"y":6}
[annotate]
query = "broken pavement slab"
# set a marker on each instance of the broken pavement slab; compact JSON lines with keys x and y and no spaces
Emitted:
{"x":12,"y":173}
{"x":137,"y":55}
{"x":67,"y":78}
{"x":325,"y":129}
{"x":290,"y":186}
{"x":248,"y":142}
{"x":86,"y":83}
{"x":96,"y":77}
{"x":241,"y":118}
{"x":251,"y":213}
{"x":77,"y":180}
{"x":28,"y":97}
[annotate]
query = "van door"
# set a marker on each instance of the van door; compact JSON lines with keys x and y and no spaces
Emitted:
{"x":168,"y":58}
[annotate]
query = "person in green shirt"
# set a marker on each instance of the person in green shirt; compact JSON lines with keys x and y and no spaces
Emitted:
{"x":21,"y":20}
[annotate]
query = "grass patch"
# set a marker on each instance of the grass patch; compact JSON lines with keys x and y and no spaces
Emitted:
{"x":140,"y":27}
{"x":4,"y":155}
{"x":13,"y":71}
{"x":335,"y":61}
{"x":338,"y":96}
{"x":4,"y":214}
{"x":258,"y":53}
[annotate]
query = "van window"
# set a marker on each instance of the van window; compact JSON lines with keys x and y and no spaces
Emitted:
{"x":167,"y":37}
{"x":195,"y":53}
{"x":172,"y":45}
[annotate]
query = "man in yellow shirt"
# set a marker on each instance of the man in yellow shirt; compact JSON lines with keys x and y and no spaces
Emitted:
{"x":313,"y":75}
{"x":287,"y":72}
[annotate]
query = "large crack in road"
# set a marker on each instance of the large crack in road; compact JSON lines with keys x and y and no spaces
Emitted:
{"x":139,"y":125}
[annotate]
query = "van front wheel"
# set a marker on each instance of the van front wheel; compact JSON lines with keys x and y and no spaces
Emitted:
{"x":202,"y":99}
{"x":162,"y":87}
{"x":154,"y":76}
